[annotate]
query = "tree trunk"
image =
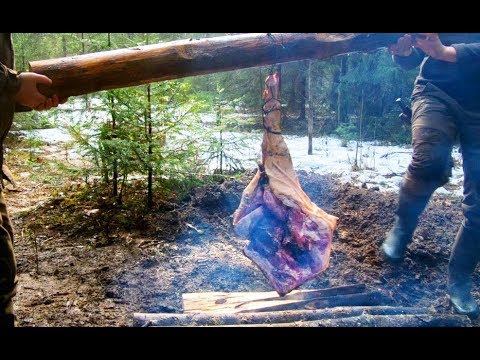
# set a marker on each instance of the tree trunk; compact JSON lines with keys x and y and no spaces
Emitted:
{"x":114,"y":125}
{"x":341,"y":106}
{"x":308,"y":107}
{"x":358,"y":165}
{"x":64,"y":45}
{"x":301,"y":89}
{"x":105,"y":70}
{"x":83,"y":52}
{"x":115,"y":161}
{"x":23,"y":58}
{"x":150,"y":148}
{"x":220,"y":136}
{"x":83,"y":42}
{"x":148,"y":120}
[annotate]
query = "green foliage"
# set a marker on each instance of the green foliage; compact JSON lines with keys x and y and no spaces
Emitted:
{"x":381,"y":82}
{"x":223,"y":148}
{"x":396,"y":131}
{"x":242,"y":88}
{"x":33,"y":120}
{"x":346,"y":132}
{"x":128,"y":146}
{"x":180,"y":186}
{"x":366,"y":74}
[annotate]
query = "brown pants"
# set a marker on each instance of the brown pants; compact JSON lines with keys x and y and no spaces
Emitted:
{"x":437,"y":123}
{"x":8,"y":267}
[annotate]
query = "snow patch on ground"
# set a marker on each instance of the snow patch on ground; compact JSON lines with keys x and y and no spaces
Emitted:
{"x":379,"y":166}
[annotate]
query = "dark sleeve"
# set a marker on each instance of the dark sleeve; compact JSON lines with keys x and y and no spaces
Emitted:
{"x":411,"y":61}
{"x":9,"y":82}
{"x":467,"y":53}
{"x":21,"y":108}
{"x":9,"y":86}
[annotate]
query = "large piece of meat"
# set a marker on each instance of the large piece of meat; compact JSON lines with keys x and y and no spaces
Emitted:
{"x":290,"y":237}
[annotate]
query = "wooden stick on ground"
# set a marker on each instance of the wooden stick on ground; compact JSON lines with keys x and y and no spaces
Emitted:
{"x":422,"y":320}
{"x":361,"y":299}
{"x":223,"y":302}
{"x":272,"y":317}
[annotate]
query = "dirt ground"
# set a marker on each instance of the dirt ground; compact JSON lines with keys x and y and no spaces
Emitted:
{"x":91,"y":274}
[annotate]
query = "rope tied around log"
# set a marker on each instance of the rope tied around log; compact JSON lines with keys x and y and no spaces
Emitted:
{"x":277,"y":42}
{"x":271,"y":131}
{"x":271,"y":95}
{"x":266,"y":112}
{"x":275,"y":67}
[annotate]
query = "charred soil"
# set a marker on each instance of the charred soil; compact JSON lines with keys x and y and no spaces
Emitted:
{"x":80,"y":265}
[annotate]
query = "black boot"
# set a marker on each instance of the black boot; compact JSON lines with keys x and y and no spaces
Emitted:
{"x":7,"y":321}
{"x":400,"y":235}
{"x":7,"y":318}
{"x":462,"y":264}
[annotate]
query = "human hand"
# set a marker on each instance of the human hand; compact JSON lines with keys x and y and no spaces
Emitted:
{"x":432,"y":46}
{"x":28,"y":94}
{"x":403,"y":46}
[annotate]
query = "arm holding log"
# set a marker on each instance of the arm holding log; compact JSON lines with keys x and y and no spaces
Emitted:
{"x":405,"y":54}
{"x":409,"y":51}
{"x":28,"y":94}
{"x":22,"y":87}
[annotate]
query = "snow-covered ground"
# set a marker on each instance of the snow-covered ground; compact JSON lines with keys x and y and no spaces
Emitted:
{"x":378,"y":165}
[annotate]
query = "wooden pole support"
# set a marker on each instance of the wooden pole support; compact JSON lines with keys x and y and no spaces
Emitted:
{"x":83,"y":74}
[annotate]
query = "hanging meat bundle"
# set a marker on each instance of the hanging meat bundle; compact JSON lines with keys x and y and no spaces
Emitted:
{"x":290,"y":237}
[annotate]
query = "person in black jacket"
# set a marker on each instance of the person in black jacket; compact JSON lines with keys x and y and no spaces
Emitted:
{"x":446,"y":108}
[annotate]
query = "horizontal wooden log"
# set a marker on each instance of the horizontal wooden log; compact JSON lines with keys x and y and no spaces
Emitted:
{"x":223,"y":302}
{"x":216,"y":319}
{"x":361,"y":299}
{"x":328,"y":292}
{"x":380,"y":321}
{"x":83,"y":74}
